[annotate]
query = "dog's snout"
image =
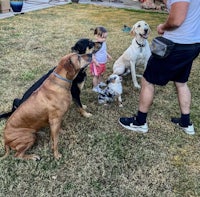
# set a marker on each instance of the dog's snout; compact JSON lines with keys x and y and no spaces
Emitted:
{"x":146,"y":31}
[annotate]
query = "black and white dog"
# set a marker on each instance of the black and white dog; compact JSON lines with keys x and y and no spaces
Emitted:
{"x":112,"y":91}
{"x":82,"y":46}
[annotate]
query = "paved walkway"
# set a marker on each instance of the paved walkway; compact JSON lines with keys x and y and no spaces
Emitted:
{"x":31,"y":5}
{"x":131,"y":4}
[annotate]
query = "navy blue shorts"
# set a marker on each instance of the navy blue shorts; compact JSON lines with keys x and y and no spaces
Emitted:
{"x":176,"y":67}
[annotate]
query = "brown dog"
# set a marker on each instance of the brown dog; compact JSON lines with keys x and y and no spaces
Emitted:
{"x":46,"y":105}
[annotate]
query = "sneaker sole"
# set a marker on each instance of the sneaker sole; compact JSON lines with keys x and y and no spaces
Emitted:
{"x":192,"y":132}
{"x":136,"y":129}
{"x":188,"y":132}
{"x":185,"y":130}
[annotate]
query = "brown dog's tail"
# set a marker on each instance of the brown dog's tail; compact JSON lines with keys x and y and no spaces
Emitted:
{"x":7,"y":148}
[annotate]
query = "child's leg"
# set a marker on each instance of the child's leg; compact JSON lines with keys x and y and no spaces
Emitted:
{"x":101,"y":70}
{"x":101,"y":83}
{"x":95,"y":81}
{"x":96,"y":87}
{"x":100,"y":79}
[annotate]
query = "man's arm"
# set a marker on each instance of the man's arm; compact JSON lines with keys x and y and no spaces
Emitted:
{"x":176,"y":17}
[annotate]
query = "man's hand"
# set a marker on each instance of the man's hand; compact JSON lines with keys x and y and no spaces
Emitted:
{"x":160,"y":29}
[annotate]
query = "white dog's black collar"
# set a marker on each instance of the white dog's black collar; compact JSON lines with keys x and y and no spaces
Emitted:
{"x":140,"y":45}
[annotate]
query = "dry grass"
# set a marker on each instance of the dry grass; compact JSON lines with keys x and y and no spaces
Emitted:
{"x":100,"y":159}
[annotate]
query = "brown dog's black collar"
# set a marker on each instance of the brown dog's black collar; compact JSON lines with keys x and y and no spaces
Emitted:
{"x":62,"y":86}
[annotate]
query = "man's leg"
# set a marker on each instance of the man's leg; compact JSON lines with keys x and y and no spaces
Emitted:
{"x":184,"y":99}
{"x":138,"y":123}
{"x":146,"y":96}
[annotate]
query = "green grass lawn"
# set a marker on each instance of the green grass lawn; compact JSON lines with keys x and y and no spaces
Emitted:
{"x":100,"y":158}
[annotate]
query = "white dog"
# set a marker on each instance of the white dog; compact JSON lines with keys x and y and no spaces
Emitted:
{"x":137,"y":53}
{"x":112,"y":91}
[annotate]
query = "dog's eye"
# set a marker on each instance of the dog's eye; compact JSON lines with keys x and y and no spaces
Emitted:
{"x":139,"y":25}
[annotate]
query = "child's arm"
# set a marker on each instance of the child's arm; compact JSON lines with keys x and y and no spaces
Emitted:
{"x":109,"y":56}
{"x":94,"y":60}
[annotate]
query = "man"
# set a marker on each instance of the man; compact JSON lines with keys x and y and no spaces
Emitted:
{"x":183,"y":28}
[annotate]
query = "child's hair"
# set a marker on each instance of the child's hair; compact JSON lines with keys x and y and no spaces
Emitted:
{"x":99,"y":31}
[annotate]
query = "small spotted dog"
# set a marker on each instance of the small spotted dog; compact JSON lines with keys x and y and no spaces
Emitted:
{"x":112,"y":91}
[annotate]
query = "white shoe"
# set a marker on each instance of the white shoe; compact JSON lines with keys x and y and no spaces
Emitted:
{"x":102,"y":84}
{"x":132,"y":124}
{"x":97,"y":89}
{"x":189,"y":129}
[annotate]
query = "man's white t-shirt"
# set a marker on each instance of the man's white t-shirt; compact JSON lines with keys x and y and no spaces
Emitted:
{"x":189,"y":31}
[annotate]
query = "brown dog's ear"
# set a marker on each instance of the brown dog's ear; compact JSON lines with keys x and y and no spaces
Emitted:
{"x":68,"y":65}
{"x":65,"y":63}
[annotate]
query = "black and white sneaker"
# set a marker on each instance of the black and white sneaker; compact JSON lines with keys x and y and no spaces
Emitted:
{"x":102,"y":84}
{"x":189,"y":129}
{"x":132,"y":124}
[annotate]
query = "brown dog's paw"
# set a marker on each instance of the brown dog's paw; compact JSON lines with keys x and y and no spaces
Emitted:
{"x":36,"y":158}
{"x":32,"y":156}
{"x":57,"y":155}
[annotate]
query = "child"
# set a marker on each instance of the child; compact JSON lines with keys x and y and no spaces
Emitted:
{"x":98,"y":65}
